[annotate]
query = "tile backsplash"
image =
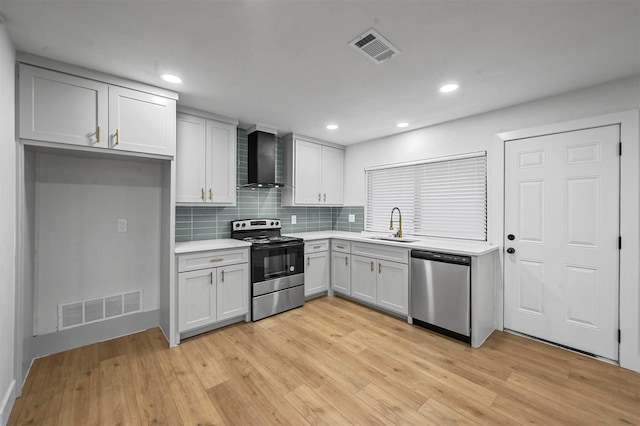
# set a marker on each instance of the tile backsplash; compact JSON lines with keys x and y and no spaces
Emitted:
{"x":208,"y":222}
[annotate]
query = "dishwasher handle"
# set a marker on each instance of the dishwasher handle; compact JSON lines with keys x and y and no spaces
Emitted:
{"x":441,"y":257}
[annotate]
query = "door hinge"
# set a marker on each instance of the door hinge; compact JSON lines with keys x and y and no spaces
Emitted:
{"x":619,"y":242}
{"x":620,"y":148}
{"x":619,"y":336}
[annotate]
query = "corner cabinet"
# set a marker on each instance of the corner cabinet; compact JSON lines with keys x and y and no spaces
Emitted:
{"x":313,"y":172}
{"x":316,"y":267}
{"x":341,"y":267}
{"x":205,"y":160}
{"x":68,"y":109}
{"x":213,"y":286}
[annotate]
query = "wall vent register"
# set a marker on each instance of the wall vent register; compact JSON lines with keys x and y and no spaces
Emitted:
{"x":99,"y":309}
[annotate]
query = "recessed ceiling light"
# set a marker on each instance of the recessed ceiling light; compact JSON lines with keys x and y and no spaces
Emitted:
{"x":402,"y":125}
{"x":332,"y":126}
{"x":451,"y":87}
{"x":170,"y":78}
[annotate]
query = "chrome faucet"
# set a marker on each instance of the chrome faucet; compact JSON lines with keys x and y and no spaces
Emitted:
{"x":399,"y":233}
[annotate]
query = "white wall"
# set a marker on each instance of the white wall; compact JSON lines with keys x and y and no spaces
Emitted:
{"x":478,"y":133}
{"x":80,"y":254}
{"x":7,"y":225}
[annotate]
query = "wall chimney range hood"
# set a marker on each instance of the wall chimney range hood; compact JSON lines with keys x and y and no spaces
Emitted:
{"x":261,"y":171}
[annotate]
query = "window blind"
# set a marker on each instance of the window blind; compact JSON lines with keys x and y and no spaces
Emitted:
{"x":444,"y":198}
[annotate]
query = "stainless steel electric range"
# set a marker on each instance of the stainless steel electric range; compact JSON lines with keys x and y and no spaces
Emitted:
{"x":277,"y":266}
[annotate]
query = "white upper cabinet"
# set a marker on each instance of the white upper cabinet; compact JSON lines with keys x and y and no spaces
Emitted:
{"x":221,"y":153}
{"x":205,"y":161}
{"x":141,"y":122}
{"x":313,"y":173}
{"x":63,"y":108}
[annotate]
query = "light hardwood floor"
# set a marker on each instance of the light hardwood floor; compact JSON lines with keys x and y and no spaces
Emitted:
{"x":330,"y":362}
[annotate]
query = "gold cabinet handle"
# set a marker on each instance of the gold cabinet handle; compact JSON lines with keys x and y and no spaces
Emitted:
{"x":210,"y":194}
{"x":372,"y":266}
{"x":222,"y":275}
{"x":316,"y":247}
{"x":211,"y":278}
{"x":346,"y":260}
{"x":202,"y":193}
{"x":98,"y":134}
{"x":340,"y":247}
{"x":117,"y":137}
{"x":319,"y":197}
{"x":219,"y":259}
{"x":379,"y":268}
{"x":308,"y":260}
{"x":325,"y":198}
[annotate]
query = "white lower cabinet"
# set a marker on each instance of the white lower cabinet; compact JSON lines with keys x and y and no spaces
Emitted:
{"x":379,"y":274}
{"x":341,"y":272}
{"x":363,"y":277}
{"x":316,"y":267}
{"x":206,"y":294}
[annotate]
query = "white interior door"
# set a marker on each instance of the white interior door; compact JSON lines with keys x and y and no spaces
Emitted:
{"x":562,"y":223}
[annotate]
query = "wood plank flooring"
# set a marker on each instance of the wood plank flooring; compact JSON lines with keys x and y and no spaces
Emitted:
{"x":330,"y":362}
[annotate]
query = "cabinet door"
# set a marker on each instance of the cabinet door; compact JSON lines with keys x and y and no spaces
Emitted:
{"x":196,"y":299}
{"x":316,"y":273}
{"x":363,"y":279}
{"x":190,"y":159}
{"x":232,"y":291}
{"x":332,"y":175}
{"x":341,"y":273}
{"x":141,"y":122}
{"x":58,"y":107}
{"x":393,"y":286}
{"x":221,"y":163}
{"x":308,"y":158}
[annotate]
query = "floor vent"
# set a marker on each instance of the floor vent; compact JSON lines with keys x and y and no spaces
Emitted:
{"x":94,"y":310}
{"x":375,"y":47}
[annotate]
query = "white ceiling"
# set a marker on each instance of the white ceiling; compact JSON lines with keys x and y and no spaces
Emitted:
{"x":287,"y":64}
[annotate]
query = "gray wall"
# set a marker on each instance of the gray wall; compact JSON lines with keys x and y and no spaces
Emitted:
{"x":205,"y":223}
{"x":7,"y":226}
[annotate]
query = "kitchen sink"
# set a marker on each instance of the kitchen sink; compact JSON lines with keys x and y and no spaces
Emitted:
{"x":396,"y":239}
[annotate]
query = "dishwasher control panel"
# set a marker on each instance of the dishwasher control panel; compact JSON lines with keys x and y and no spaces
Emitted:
{"x":441,"y":257}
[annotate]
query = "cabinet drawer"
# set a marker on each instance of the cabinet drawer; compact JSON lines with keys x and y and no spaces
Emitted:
{"x":381,"y":251}
{"x":341,"y":246}
{"x":316,"y":246}
{"x":209,"y":259}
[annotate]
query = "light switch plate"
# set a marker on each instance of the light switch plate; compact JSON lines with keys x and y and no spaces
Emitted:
{"x":294,"y":219}
{"x":122,"y":225}
{"x":352,"y":218}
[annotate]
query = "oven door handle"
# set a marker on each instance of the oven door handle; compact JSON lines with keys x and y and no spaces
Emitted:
{"x":276,"y":246}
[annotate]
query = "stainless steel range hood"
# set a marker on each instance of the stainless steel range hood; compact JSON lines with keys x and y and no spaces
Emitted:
{"x":261,"y":171}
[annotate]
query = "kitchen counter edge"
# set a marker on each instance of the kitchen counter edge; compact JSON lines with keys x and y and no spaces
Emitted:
{"x":453,"y":247}
{"x":206,"y":245}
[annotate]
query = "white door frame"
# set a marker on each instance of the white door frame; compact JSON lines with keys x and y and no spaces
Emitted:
{"x":629,"y":219}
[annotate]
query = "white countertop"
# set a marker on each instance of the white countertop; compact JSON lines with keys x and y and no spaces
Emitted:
{"x":469,"y":248}
{"x":223,"y":243}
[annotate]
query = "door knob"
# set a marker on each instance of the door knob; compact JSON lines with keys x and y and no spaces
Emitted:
{"x":511,"y":250}
{"x":511,"y":237}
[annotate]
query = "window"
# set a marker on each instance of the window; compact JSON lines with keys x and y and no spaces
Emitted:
{"x":444,"y":197}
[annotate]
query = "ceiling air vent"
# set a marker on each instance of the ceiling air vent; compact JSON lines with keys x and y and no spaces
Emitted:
{"x":375,"y":47}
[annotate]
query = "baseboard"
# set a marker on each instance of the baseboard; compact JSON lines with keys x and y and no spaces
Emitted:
{"x":7,"y":403}
{"x":65,"y":340}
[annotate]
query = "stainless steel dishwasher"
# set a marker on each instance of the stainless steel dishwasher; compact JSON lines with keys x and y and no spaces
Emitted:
{"x":441,"y":293}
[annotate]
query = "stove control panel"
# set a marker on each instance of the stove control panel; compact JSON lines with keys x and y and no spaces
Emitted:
{"x":253,"y":224}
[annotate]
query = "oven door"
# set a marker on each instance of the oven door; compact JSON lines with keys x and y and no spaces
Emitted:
{"x":272,"y":261}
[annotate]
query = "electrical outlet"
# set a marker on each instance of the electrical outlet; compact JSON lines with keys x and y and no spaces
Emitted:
{"x":294,"y":219}
{"x":352,"y":218}
{"x":122,"y":225}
